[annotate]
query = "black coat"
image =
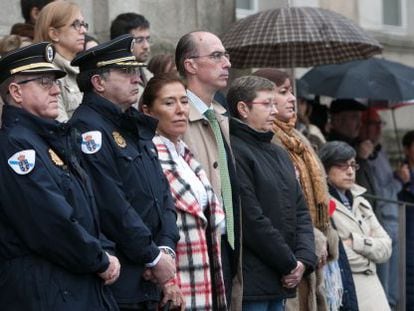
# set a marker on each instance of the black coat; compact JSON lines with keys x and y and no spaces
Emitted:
{"x":407,"y":195}
{"x":50,"y":247}
{"x":133,"y":196}
{"x":277,"y":228}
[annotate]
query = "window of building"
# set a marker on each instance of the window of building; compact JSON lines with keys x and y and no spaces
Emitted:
{"x":391,"y":12}
{"x":246,"y":7}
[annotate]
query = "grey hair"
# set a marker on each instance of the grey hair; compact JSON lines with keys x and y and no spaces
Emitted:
{"x":335,"y":152}
{"x":245,"y":89}
{"x":4,"y":89}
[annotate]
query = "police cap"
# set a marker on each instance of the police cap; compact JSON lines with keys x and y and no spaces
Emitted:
{"x":114,"y":53}
{"x":339,"y":105}
{"x":32,"y":59}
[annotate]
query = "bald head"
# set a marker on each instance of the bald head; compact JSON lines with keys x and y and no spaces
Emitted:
{"x":201,"y":58}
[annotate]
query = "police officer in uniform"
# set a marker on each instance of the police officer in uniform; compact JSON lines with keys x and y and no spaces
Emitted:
{"x":51,"y":253}
{"x":133,"y":196}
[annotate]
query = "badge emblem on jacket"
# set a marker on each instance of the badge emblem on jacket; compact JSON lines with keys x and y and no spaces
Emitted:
{"x":120,"y":141}
{"x":23,"y":162}
{"x":55,"y":158}
{"x":91,"y":142}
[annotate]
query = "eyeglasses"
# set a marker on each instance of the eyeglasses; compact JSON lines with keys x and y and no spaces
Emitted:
{"x":46,"y":82}
{"x":129,"y":71}
{"x":215,"y":56}
{"x":77,"y":24}
{"x":346,"y":166}
{"x":268,"y":105}
{"x":140,"y":40}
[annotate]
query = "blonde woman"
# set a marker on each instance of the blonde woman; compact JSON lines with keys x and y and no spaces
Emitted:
{"x":62,"y":24}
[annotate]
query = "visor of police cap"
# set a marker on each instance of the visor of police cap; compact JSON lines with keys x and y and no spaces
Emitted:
{"x":114,"y":53}
{"x":32,"y":59}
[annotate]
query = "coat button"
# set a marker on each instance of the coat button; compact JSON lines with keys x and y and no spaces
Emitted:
{"x":205,"y":123}
{"x":215,"y":164}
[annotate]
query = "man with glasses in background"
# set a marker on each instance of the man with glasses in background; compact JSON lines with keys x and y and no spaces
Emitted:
{"x":132,"y":194}
{"x":202,"y":60}
{"x":139,"y":27}
{"x":52,"y":253}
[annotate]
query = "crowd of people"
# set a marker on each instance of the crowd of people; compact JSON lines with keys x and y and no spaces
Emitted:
{"x":132,"y":183}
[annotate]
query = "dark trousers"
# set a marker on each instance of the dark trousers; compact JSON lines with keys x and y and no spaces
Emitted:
{"x":227,"y":264}
{"x":149,"y":305}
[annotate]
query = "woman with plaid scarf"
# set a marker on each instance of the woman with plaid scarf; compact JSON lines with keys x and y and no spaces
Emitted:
{"x":200,"y":217}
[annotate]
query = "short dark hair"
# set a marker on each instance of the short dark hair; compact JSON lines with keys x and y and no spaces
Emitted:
{"x":154,"y":85}
{"x":28,"y":5}
{"x":125,"y":22}
{"x":245,"y":89}
{"x":83,"y":79}
{"x":186,"y":47}
{"x":408,"y":139}
{"x":335,"y":152}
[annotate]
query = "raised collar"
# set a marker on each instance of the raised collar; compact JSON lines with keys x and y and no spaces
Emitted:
{"x":246,"y":133}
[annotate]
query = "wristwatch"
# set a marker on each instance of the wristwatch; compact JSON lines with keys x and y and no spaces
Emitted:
{"x":168,"y":251}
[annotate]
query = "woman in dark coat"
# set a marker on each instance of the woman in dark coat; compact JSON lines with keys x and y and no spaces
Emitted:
{"x":277,"y":230}
{"x":406,"y":177}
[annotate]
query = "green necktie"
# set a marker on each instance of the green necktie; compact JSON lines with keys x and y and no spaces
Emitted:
{"x":224,"y":176}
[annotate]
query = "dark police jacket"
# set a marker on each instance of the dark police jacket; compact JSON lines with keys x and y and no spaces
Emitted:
{"x":50,"y":251}
{"x":133,"y":196}
{"x":277,"y":229}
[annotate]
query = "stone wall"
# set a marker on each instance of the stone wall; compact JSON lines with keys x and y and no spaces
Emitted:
{"x":169,"y":19}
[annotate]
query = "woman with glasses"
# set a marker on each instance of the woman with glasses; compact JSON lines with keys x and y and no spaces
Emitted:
{"x":278,"y":240}
{"x":365,"y":241}
{"x":311,"y":295}
{"x":62,"y":24}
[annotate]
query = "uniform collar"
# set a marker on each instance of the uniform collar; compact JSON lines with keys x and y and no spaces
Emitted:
{"x":13,"y":116}
{"x":131,"y":120}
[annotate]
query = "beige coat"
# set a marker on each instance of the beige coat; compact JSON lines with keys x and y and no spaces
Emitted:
{"x":70,"y":96}
{"x":201,"y":141}
{"x":370,"y":245}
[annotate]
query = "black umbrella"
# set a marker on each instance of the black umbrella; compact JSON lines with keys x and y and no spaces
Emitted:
{"x":373,"y":78}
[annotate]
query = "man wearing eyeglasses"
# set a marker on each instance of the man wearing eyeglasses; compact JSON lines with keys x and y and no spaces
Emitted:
{"x":203,"y":61}
{"x":139,"y":27}
{"x":52,"y":255}
{"x":132,"y":193}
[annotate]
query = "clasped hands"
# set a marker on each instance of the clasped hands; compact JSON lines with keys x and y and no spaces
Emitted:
{"x":294,"y":277}
{"x":163,"y":274}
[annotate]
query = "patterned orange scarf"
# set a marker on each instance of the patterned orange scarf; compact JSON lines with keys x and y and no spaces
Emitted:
{"x":311,"y":174}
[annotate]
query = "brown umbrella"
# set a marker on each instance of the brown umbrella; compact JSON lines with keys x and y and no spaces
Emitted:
{"x":297,"y":37}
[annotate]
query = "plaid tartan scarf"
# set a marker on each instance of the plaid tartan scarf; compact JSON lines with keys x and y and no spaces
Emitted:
{"x":199,"y":272}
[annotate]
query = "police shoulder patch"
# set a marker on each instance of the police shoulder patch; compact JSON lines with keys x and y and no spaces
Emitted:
{"x":23,"y":162}
{"x":91,"y":142}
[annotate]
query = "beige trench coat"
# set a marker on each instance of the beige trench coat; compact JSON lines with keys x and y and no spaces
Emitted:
{"x":201,"y":141}
{"x":70,"y":96}
{"x":370,"y":245}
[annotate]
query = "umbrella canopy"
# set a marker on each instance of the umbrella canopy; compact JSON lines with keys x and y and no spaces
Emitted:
{"x":374,"y":78}
{"x":297,"y":37}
